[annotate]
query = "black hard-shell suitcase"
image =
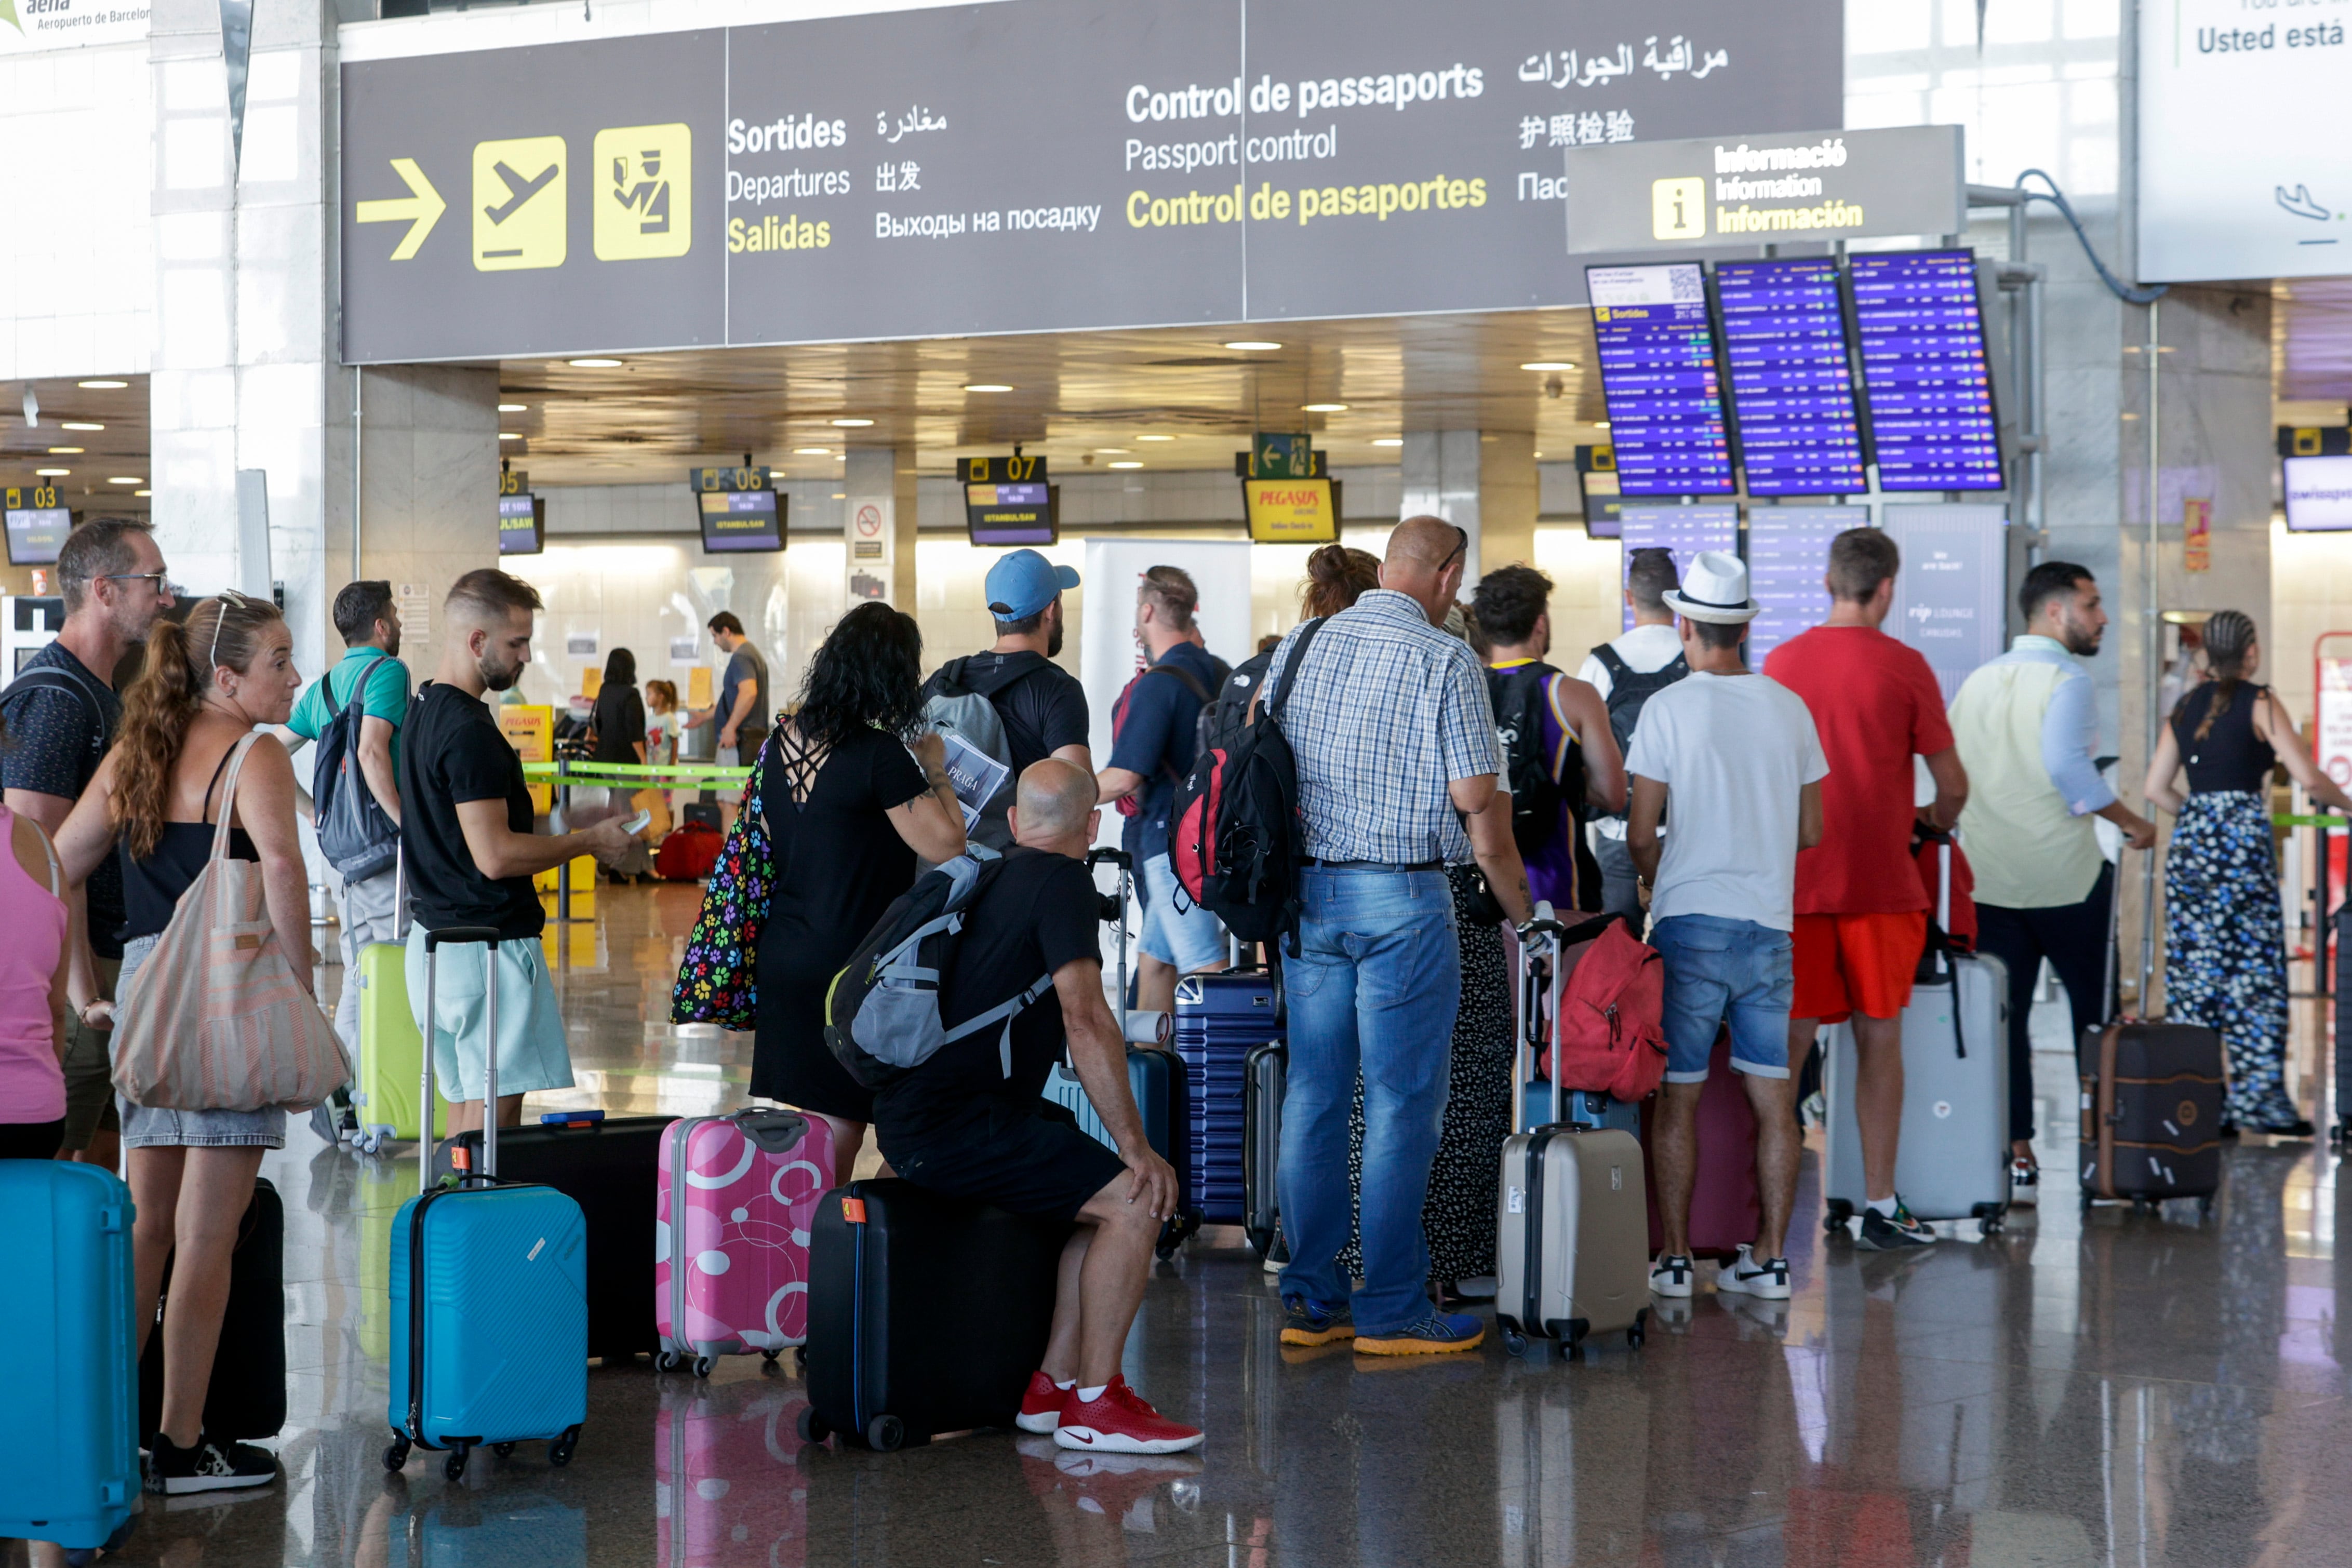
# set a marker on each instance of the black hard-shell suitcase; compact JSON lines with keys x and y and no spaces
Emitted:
{"x":2151,"y":1112}
{"x":927,"y":1314}
{"x":612,"y":1169}
{"x":246,"y":1398}
{"x":1263,"y":1072}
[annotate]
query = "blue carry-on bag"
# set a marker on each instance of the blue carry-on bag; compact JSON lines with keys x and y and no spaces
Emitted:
{"x":69,"y":1402}
{"x":1220,"y":1020}
{"x":489,"y":1291}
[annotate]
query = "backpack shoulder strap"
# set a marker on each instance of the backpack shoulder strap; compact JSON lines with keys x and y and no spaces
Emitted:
{"x":352,"y":704}
{"x":1191,"y":682}
{"x":1290,"y":671}
{"x":49,"y":677}
{"x":1612,"y":662}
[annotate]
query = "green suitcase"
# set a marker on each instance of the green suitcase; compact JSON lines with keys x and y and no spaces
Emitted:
{"x":392,"y":1054}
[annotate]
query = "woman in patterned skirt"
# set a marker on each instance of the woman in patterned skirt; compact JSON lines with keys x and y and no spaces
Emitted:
{"x":2225,"y":951}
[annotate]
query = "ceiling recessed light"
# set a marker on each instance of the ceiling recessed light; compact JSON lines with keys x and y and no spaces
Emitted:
{"x":104,"y":386}
{"x":142,"y":492}
{"x":81,"y":424}
{"x":1130,"y":462}
{"x":514,"y":408}
{"x":594,"y":364}
{"x":811,"y":451}
{"x":851,"y":424}
{"x":127,"y":479}
{"x":1110,"y":450}
{"x":1600,"y":424}
{"x":1155,"y":438}
{"x":510,"y":435}
{"x":1252,"y":346}
{"x":1388,"y":441}
{"x":1324,"y":407}
{"x":67,"y":451}
{"x":841,"y":495}
{"x":1548,"y":365}
{"x":986,"y":387}
{"x":51,"y":472}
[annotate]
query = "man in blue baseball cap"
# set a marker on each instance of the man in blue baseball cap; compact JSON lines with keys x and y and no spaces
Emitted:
{"x":1042,"y":706}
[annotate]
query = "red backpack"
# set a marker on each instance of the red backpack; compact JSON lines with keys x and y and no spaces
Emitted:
{"x":1610,"y":1035}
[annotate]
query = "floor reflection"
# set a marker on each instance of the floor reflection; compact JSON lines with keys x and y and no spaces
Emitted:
{"x":2103,"y":1388}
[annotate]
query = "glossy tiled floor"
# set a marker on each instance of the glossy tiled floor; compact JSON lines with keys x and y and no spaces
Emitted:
{"x":2116,"y":1389}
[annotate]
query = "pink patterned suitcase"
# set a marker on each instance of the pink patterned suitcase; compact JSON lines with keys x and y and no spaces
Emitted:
{"x":732,"y":1230}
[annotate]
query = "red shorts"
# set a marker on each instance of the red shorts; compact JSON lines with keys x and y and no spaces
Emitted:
{"x":1849,"y":964}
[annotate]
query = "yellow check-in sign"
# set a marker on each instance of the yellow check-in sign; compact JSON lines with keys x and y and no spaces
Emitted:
{"x":520,"y":203}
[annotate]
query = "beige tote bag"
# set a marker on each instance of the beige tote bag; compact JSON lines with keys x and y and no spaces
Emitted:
{"x":214,"y":1020}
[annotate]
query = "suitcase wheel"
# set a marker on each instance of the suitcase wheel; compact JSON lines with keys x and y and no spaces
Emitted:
{"x":559,"y":1452}
{"x":667,"y":1361}
{"x":770,"y":1356}
{"x":2205,"y":1206}
{"x":453,"y":1466}
{"x":395,"y":1458}
{"x":812,"y":1426}
{"x":1514,"y":1342}
{"x":1640,"y":1330}
{"x":502,"y":1449}
{"x":800,"y":1357}
{"x":884,"y":1434}
{"x":704,"y":1365}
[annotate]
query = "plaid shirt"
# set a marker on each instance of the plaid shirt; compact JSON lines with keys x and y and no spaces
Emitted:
{"x":1387,"y":711}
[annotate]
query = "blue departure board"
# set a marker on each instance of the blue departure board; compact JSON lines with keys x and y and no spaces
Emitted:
{"x":1788,"y":555}
{"x":1924,"y":369}
{"x":1784,"y":339}
{"x":1683,"y":531}
{"x":1658,"y":373}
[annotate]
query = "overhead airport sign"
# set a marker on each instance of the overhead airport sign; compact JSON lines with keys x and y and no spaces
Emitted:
{"x":2243,"y":168}
{"x":872,"y":176}
{"x":29,"y":24}
{"x":1713,"y":191}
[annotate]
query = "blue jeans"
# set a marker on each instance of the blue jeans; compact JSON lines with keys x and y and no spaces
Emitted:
{"x":1373,"y":989}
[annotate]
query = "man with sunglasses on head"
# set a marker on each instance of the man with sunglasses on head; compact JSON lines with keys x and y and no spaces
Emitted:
{"x":1394,"y":739}
{"x":60,"y":714}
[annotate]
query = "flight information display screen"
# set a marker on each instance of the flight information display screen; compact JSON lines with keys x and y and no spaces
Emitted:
{"x":1788,"y":553}
{"x":520,"y":531}
{"x":1658,"y":374}
{"x":1683,"y":531}
{"x":743,"y":520}
{"x":1784,"y":340}
{"x":1924,"y":369}
{"x":35,"y":534}
{"x":1010,"y":513}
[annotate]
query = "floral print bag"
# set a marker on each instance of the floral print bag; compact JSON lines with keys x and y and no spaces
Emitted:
{"x":719,"y":981}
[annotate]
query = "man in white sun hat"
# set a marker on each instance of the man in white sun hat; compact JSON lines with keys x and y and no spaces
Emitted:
{"x":1739,"y":755}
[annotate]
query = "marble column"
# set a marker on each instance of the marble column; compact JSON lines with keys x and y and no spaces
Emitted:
{"x":1482,"y":481}
{"x":880,"y":479}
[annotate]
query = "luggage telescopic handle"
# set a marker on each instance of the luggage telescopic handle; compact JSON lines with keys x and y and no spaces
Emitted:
{"x":489,"y":937}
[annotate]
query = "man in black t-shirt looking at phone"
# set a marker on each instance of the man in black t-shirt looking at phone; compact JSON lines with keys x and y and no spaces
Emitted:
{"x":964,"y":1125}
{"x":466,"y":829}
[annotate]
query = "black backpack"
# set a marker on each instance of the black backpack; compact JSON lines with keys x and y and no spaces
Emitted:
{"x":1629,"y":689}
{"x":355,"y":835}
{"x":1521,"y":698}
{"x":1233,"y":834}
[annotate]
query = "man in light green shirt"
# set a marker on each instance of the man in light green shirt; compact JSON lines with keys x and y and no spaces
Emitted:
{"x":369,"y":909}
{"x":2027,"y":728}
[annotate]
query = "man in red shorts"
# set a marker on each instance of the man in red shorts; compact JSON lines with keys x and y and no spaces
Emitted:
{"x":1862,"y":910}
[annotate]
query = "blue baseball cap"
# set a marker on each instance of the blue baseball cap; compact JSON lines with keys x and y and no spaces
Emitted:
{"x":1024,"y":583}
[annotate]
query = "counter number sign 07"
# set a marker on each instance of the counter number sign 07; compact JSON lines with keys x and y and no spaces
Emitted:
{"x":1013,"y":470}
{"x":31,"y":498}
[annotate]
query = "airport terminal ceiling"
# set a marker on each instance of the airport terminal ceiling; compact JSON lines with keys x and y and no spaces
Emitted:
{"x":1166,"y":399}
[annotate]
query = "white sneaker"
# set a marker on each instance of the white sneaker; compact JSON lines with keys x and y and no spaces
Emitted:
{"x":1671,"y":1275}
{"x":2024,"y":1183}
{"x":1746,"y":1277}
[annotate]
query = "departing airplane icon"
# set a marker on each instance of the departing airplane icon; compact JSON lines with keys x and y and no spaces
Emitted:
{"x":520,"y":189}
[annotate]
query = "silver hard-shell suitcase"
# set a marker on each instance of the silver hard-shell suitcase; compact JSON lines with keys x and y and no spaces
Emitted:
{"x":1952,"y":1159}
{"x":1571,"y":1248}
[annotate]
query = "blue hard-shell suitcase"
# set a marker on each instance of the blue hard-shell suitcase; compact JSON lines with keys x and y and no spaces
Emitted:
{"x":69,"y":1402}
{"x":1220,"y":1020}
{"x":490,"y":1296}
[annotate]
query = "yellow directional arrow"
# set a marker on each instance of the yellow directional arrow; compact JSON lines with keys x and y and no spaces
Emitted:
{"x":422,"y":210}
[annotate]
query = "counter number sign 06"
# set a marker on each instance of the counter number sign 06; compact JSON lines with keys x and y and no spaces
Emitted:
{"x":30,"y":499}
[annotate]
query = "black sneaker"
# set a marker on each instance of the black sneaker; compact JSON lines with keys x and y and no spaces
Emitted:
{"x":1882,"y":1234}
{"x":210,"y":1465}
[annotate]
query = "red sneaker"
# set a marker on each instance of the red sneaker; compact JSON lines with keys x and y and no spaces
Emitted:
{"x":1121,"y":1422}
{"x":1040,"y":1407}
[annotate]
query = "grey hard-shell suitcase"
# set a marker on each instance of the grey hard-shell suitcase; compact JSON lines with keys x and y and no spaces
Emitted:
{"x":1952,"y":1161}
{"x":1571,"y":1252}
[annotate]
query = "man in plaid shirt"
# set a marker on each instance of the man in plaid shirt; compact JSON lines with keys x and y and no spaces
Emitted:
{"x":1395,"y":743}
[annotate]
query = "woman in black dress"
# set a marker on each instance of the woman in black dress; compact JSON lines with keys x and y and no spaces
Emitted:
{"x":619,"y":727}
{"x":847,"y":808}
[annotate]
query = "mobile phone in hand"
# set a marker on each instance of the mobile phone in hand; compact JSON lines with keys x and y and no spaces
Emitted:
{"x":639,"y":823}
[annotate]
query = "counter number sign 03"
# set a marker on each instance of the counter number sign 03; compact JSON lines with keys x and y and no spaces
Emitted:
{"x":30,"y":497}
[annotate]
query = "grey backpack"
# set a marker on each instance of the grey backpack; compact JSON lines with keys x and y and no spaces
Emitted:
{"x":955,"y":709}
{"x":882,"y":1011}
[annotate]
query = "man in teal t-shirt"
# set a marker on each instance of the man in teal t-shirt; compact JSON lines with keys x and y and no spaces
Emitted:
{"x":370,"y":910}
